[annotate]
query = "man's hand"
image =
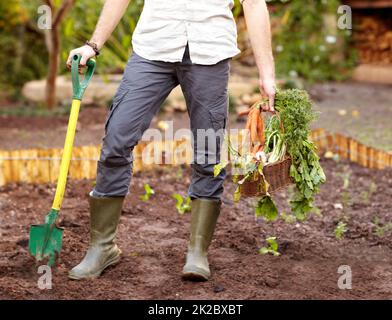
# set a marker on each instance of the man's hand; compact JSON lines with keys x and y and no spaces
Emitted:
{"x":267,"y":89}
{"x":110,"y":16}
{"x":86,"y":52}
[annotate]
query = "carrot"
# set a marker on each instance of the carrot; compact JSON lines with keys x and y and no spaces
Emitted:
{"x":244,"y":113}
{"x":260,"y":130}
{"x":247,"y":127}
{"x":253,"y":125}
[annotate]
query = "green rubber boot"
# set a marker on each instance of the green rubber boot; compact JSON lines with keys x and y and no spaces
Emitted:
{"x":103,"y":252}
{"x":205,"y":213}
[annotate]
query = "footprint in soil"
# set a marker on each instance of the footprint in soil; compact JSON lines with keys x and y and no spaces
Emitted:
{"x":292,"y":249}
{"x":218,"y":288}
{"x":69,"y":224}
{"x":271,"y":281}
{"x":23,"y":243}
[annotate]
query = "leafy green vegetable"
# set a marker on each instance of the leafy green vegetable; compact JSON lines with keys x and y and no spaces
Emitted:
{"x":219,"y":167}
{"x":181,"y":205}
{"x":272,"y":247}
{"x":237,"y":194}
{"x":275,"y":146}
{"x":295,"y":109}
{"x":148,"y":192}
{"x":287,"y":134}
{"x":266,"y":208}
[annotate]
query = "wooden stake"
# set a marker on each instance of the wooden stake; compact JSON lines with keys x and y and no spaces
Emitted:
{"x":2,"y":168}
{"x":354,"y":151}
{"x":363,"y":155}
{"x":342,"y":145}
{"x":371,"y":158}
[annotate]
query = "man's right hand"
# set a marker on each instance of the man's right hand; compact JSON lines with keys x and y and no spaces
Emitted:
{"x":86,"y":52}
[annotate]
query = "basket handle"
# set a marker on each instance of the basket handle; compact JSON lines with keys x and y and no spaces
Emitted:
{"x":259,"y":104}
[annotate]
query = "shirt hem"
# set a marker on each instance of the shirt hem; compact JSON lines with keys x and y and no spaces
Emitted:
{"x":206,"y":62}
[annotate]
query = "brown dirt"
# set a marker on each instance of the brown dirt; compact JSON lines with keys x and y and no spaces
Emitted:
{"x":49,"y":132}
{"x":153,"y":237}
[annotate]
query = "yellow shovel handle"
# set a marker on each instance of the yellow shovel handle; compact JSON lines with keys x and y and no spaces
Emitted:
{"x":66,"y":158}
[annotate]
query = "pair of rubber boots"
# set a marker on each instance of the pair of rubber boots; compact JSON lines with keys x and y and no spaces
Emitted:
{"x":103,"y":252}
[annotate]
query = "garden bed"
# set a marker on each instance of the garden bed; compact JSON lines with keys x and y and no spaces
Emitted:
{"x":153,"y":237}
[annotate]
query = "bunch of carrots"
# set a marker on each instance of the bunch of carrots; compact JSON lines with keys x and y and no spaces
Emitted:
{"x":255,"y":125}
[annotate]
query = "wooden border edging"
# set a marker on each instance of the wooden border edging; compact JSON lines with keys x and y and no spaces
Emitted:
{"x":42,"y":165}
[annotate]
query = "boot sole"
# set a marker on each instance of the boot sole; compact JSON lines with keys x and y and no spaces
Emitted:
{"x":96,"y":275}
{"x":196,"y":275}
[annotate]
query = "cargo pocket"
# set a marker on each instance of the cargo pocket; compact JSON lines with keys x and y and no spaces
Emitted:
{"x":116,"y":101}
{"x":218,"y":119}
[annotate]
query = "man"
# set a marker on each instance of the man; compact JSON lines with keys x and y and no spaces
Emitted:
{"x":176,"y":42}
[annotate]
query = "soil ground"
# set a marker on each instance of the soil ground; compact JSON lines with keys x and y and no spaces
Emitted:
{"x":153,"y":238}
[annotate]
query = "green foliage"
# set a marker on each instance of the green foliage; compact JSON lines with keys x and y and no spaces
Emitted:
{"x":148,"y":192}
{"x":288,"y":218}
{"x":182,"y":206}
{"x":340,"y":230}
{"x":80,"y":25}
{"x":366,"y":195}
{"x":219,"y":167}
{"x":346,"y":198}
{"x":266,"y":208}
{"x":23,"y":49}
{"x":272,"y":247}
{"x":237,"y":194}
{"x":23,"y":52}
{"x":381,"y":229}
{"x":296,"y":112}
{"x":300,"y":43}
{"x":36,"y":111}
{"x":345,"y":176}
{"x":274,"y":140}
{"x":237,"y":10}
{"x":296,"y":115}
{"x":306,"y":45}
{"x":11,"y":14}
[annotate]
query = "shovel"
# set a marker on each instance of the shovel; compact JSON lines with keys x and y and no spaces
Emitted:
{"x":45,"y":239}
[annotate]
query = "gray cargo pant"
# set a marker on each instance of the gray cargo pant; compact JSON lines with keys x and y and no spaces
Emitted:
{"x":144,"y":87}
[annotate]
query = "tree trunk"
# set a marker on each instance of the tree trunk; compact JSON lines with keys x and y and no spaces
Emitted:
{"x":53,"y":44}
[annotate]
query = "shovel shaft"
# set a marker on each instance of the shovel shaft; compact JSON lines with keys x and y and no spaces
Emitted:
{"x":66,"y":158}
{"x":45,"y":239}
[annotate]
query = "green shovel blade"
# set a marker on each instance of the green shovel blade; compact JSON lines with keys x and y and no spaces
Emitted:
{"x":45,"y":239}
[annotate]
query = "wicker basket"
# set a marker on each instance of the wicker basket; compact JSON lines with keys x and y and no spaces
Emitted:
{"x":276,"y":174}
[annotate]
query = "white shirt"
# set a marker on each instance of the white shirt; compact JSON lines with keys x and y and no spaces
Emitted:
{"x":166,"y":26}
